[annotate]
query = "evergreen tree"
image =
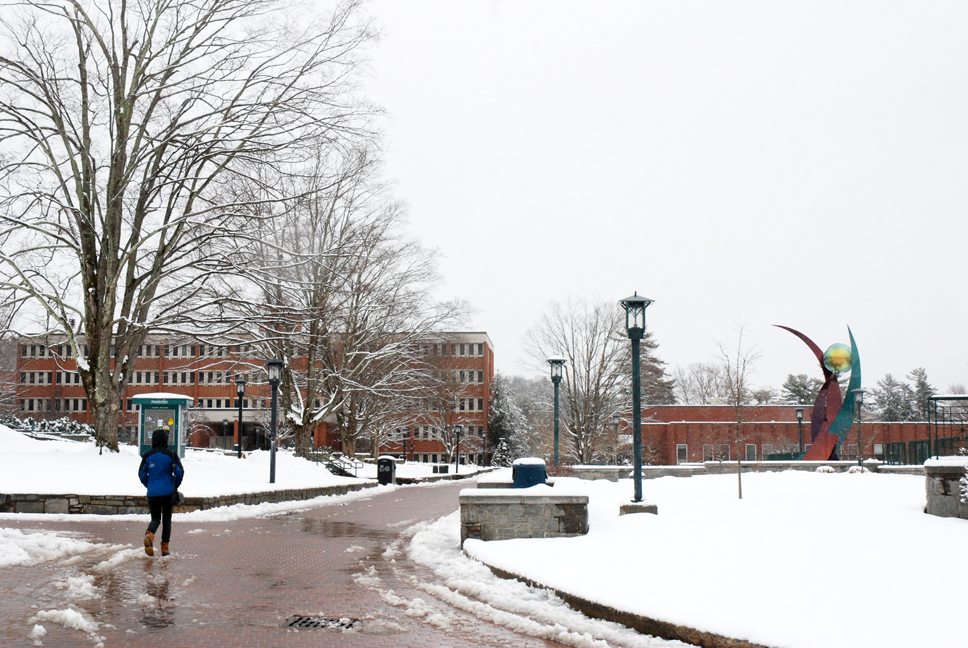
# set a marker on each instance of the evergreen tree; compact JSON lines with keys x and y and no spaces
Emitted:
{"x":502,"y":456}
{"x":799,"y":389}
{"x":923,"y":391}
{"x":505,"y":420}
{"x":893,"y":400}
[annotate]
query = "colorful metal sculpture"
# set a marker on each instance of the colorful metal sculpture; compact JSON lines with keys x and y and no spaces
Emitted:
{"x":831,"y":418}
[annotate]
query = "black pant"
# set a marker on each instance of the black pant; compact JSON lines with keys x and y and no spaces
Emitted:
{"x":160,"y":508}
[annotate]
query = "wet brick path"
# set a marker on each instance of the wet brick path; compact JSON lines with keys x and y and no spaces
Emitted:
{"x":236,"y":583}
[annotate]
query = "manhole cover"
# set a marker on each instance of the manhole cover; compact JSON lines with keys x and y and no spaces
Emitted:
{"x":321,"y":622}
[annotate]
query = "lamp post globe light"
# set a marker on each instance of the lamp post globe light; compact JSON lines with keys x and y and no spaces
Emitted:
{"x":800,"y":429}
{"x":240,"y":390}
{"x":859,"y":402}
{"x":635,"y":326}
{"x":274,"y":368}
{"x":557,"y":364}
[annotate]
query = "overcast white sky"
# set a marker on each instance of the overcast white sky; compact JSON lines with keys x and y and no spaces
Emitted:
{"x":780,"y":163}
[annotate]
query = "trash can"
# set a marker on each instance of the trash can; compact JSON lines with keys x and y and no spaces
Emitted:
{"x":528,"y":471}
{"x":386,"y":470}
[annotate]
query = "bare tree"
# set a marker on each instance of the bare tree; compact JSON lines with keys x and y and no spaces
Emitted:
{"x":119,"y":127}
{"x":700,"y":383}
{"x":737,"y":366}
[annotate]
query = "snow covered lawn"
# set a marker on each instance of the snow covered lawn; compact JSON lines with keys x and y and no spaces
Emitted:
{"x":67,"y":467}
{"x":803,"y":560}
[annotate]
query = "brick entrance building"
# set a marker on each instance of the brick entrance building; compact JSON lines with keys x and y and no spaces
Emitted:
{"x":674,"y":434}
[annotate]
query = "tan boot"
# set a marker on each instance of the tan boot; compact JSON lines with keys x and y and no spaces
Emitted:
{"x":164,"y":549}
{"x":149,"y":541}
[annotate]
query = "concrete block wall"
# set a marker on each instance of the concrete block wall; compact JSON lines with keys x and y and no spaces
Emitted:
{"x":942,"y":485}
{"x":502,"y":515}
{"x":127,"y":504}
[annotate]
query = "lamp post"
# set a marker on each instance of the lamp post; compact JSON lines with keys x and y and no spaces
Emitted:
{"x":557,"y":363}
{"x":458,"y":429}
{"x":484,"y":460}
{"x":800,"y":428}
{"x":635,"y":325}
{"x":859,"y":402}
{"x":225,"y":431}
{"x":274,"y":367}
{"x":616,"y":419}
{"x":240,"y":390}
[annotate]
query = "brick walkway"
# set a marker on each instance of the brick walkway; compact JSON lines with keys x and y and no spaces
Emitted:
{"x":236,"y":583}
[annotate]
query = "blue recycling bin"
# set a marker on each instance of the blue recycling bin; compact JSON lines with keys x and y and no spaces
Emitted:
{"x":528,"y":472}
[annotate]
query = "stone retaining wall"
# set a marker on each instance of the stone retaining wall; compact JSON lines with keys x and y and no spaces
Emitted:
{"x":942,"y":484}
{"x":127,"y":504}
{"x":501,"y":515}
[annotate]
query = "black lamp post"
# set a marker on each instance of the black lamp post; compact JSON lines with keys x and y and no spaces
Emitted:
{"x":240,"y":390}
{"x":484,"y":460}
{"x":800,"y":428}
{"x":616,"y":419}
{"x":635,"y":325}
{"x":859,"y":402}
{"x":225,"y":431}
{"x":274,"y":367}
{"x":457,"y":428}
{"x":557,"y":363}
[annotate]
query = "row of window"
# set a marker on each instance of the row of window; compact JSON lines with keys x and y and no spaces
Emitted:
{"x":467,"y":349}
{"x":469,"y":377}
{"x":427,"y":432}
{"x":53,"y":404}
{"x":137,"y":378}
{"x":467,"y":404}
{"x":144,"y":351}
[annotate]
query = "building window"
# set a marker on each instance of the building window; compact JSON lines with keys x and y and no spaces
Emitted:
{"x":480,"y":404}
{"x":750,"y":452}
{"x":682,"y":453}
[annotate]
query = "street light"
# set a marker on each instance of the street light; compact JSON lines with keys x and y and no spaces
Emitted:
{"x":616,"y":419}
{"x":484,"y":460}
{"x":274,"y":367}
{"x":240,"y":390}
{"x":635,"y":325}
{"x":457,"y":428}
{"x":859,"y":402}
{"x":557,"y":363}
{"x":800,"y":428}
{"x":225,"y":431}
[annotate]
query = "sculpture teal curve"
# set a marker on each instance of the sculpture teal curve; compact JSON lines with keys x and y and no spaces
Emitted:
{"x":832,"y":417}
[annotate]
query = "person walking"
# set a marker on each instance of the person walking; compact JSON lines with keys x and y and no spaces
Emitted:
{"x":162,"y":472}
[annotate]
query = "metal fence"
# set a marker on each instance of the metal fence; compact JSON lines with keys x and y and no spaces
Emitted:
{"x":947,"y":433}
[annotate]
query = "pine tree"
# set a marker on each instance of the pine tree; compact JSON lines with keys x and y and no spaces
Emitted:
{"x":502,"y":456}
{"x":505,"y":422}
{"x":893,"y":399}
{"x":923,"y":391}
{"x":799,"y":389}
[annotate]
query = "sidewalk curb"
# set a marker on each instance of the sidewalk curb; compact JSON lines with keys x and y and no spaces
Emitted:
{"x":643,"y":624}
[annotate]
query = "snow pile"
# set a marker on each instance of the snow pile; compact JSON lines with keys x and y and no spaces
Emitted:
{"x":470,"y":586}
{"x":20,"y":547}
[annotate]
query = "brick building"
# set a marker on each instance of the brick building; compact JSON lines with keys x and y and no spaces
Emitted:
{"x":48,"y":386}
{"x":674,"y":434}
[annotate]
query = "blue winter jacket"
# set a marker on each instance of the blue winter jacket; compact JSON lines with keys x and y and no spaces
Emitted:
{"x":161,"y":469}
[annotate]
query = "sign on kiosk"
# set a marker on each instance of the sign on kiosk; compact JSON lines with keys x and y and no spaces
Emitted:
{"x":163,"y":410}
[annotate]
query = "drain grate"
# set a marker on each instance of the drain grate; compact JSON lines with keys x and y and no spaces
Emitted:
{"x":322,"y":623}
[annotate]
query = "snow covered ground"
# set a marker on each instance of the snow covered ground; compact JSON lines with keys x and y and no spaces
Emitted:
{"x":804,"y":560}
{"x":78,"y":468}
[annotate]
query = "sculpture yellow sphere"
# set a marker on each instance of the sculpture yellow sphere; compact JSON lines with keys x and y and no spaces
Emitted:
{"x":837,"y":358}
